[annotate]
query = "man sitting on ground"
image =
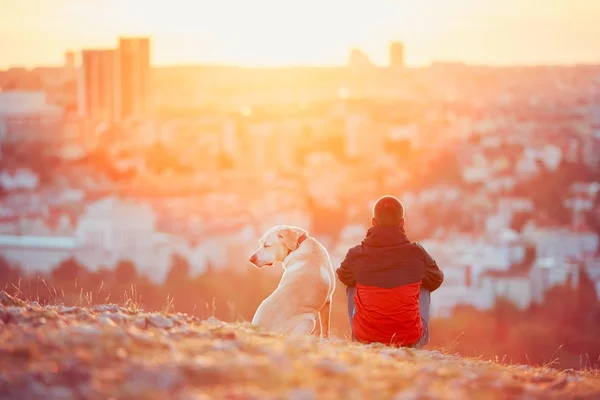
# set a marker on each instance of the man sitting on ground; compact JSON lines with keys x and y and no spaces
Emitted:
{"x":389,"y":280}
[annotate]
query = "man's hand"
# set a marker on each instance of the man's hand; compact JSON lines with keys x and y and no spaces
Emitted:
{"x":344,"y":272}
{"x":433,"y":274}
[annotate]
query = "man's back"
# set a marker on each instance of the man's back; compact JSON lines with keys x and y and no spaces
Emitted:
{"x":388,"y":271}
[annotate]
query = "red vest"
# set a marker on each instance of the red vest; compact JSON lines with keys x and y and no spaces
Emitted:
{"x":388,"y":316}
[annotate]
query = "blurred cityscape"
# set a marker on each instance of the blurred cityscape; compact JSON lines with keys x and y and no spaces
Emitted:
{"x":106,"y":158}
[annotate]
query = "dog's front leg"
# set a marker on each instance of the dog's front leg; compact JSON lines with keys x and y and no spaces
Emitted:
{"x":324,"y":315}
{"x":320,"y":325}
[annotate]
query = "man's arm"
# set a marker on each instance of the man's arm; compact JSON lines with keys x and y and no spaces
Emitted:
{"x":433,"y":274}
{"x":345,"y":273}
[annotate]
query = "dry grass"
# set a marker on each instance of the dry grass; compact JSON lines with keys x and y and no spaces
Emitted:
{"x":57,"y":352}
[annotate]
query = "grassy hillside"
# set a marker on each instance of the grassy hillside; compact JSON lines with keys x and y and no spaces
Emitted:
{"x":109,"y":351}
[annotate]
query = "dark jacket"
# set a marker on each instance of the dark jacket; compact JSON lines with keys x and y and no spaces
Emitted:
{"x":388,"y":271}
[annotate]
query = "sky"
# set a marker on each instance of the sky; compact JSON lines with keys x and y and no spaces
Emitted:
{"x":306,"y":32}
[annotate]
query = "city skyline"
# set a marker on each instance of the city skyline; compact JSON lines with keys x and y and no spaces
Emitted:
{"x":269,"y":33}
{"x":115,"y":177}
{"x":115,"y":82}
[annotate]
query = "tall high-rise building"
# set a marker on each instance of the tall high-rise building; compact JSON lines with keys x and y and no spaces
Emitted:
{"x":69,"y":60}
{"x":134,"y":54}
{"x":359,"y":60}
{"x":115,"y":84}
{"x":99,"y":83}
{"x":396,"y":55}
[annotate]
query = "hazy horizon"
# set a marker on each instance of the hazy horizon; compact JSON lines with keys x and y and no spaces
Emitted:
{"x":494,"y":33}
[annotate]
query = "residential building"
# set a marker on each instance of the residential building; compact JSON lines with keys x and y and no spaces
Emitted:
{"x":514,"y":286}
{"x":458,"y":289}
{"x":134,"y":70}
{"x":357,"y":137}
{"x":396,"y":55}
{"x":111,"y":229}
{"x":69,"y":60}
{"x":27,"y":116}
{"x":359,"y":61}
{"x":35,"y":253}
{"x":115,"y":83}
{"x":100,"y":86}
{"x":561,"y":243}
{"x":19,"y":179}
{"x":547,"y":273}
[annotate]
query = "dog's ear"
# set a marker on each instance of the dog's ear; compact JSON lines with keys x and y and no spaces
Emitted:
{"x":290,"y":238}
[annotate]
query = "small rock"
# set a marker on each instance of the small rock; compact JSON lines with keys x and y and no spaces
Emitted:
{"x":224,"y":334}
{"x":12,"y":314}
{"x":234,"y":392}
{"x":34,"y":390}
{"x":163,"y":377}
{"x":527,"y":388}
{"x":469,"y":375}
{"x":213,"y":321}
{"x":302,"y":394}
{"x":113,"y":308}
{"x":160,"y":321}
{"x":301,"y":342}
{"x":121,"y":353}
{"x":333,"y":367}
{"x":141,"y":337}
{"x":452,"y":357}
{"x":58,"y":323}
{"x":141,"y":323}
{"x":85,"y":330}
{"x":104,"y":320}
{"x":204,"y":370}
{"x":179,"y":318}
{"x":436,"y":355}
{"x":186,"y":331}
{"x":59,"y":393}
{"x":191,"y":393}
{"x":82,"y":315}
{"x":542,"y":379}
{"x":395,"y":353}
{"x":116,"y":317}
{"x":67,"y":310}
{"x":224,"y":345}
{"x":560,"y":384}
{"x":8,"y":300}
{"x":410,"y":394}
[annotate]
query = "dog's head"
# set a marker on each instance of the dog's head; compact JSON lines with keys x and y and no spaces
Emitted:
{"x":276,"y":244}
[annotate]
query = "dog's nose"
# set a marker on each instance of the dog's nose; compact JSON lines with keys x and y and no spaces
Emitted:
{"x":253,"y":259}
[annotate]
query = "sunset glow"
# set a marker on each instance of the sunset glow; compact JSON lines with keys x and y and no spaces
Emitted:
{"x":409,"y":189}
{"x":271,"y":32}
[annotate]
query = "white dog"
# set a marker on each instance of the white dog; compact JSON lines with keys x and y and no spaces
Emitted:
{"x":305,"y":288}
